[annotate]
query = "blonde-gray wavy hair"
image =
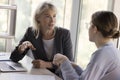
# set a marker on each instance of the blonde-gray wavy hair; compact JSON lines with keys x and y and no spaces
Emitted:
{"x":40,"y":9}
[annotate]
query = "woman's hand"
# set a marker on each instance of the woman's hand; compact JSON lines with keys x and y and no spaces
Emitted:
{"x":59,"y":59}
{"x":41,"y":64}
{"x":25,"y":45}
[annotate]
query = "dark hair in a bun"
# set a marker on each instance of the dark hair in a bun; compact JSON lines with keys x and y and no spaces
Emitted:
{"x":106,"y":22}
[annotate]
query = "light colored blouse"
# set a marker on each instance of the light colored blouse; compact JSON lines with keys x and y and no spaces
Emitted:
{"x":48,"y":46}
{"x":104,"y":65}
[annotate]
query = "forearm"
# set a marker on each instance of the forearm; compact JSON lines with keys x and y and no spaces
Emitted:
{"x":49,"y":65}
{"x":16,"y":55}
{"x":68,"y":71}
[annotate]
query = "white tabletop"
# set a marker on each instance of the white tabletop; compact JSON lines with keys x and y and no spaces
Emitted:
{"x":32,"y":72}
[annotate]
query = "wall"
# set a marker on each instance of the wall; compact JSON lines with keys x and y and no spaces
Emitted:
{"x":117,"y":8}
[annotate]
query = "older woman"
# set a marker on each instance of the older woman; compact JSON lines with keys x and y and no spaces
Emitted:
{"x":105,"y":62}
{"x":44,"y":39}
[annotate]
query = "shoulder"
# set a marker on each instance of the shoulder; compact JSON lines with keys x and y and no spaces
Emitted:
{"x":62,"y":30}
{"x":108,"y":53}
{"x":103,"y":52}
{"x":30,"y":31}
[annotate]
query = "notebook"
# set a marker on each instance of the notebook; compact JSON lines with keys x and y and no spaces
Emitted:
{"x":11,"y":67}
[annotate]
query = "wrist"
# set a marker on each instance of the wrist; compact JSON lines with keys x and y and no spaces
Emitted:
{"x":63,"y":60}
{"x":19,"y":49}
{"x":49,"y":65}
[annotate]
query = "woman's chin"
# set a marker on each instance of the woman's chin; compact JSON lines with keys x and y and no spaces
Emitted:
{"x":90,"y":40}
{"x":51,"y":27}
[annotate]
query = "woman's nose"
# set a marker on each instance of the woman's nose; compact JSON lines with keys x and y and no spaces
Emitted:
{"x":52,"y":19}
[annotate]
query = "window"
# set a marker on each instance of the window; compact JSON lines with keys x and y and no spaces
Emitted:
{"x":7,"y":23}
{"x":84,"y":47}
{"x":118,"y":42}
{"x":3,"y":27}
{"x":2,"y":24}
{"x":25,"y":10}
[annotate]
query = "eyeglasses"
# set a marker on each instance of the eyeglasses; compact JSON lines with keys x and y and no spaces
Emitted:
{"x":88,"y":25}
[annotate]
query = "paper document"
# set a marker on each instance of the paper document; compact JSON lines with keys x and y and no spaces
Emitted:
{"x":16,"y":76}
{"x":4,"y":56}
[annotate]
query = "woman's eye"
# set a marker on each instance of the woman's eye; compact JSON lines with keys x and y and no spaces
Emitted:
{"x":54,"y":16}
{"x":47,"y":16}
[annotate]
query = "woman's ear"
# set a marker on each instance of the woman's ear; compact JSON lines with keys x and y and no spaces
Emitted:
{"x":95,"y":30}
{"x":37,"y":19}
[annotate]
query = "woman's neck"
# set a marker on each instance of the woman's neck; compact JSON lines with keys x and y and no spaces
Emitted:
{"x":48,"y":34}
{"x":102,"y":42}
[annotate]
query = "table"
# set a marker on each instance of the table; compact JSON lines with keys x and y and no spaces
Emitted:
{"x":26,"y":62}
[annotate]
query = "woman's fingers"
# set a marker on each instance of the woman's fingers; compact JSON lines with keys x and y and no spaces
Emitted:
{"x":56,"y":59}
{"x":59,"y":59}
{"x":22,"y":48}
{"x":27,"y":44}
{"x":36,"y":63}
{"x":41,"y":64}
{"x":30,"y":45}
